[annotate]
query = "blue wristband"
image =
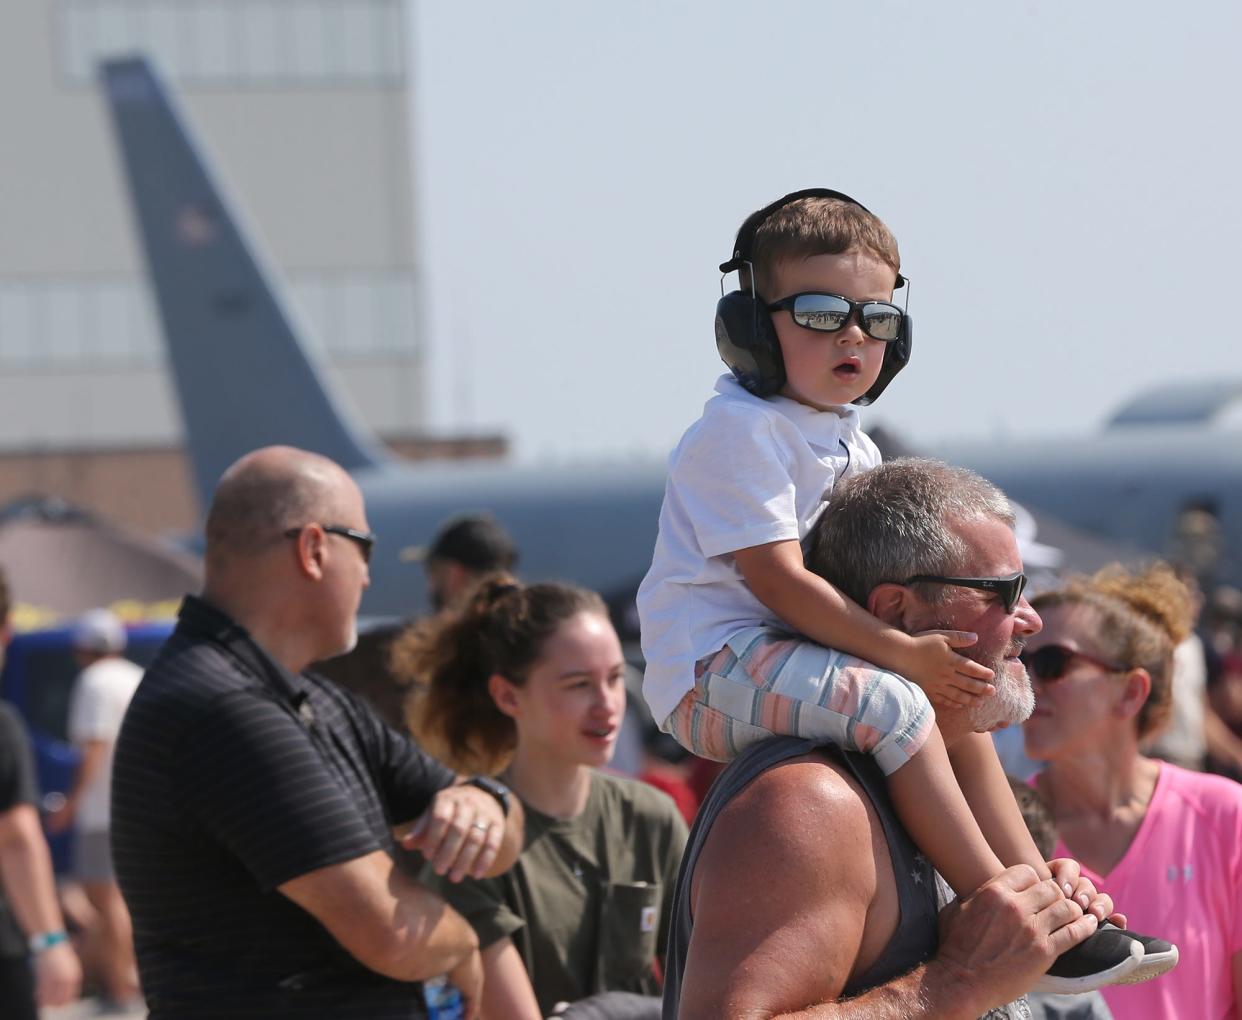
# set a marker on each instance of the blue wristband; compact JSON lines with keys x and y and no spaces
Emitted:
{"x":46,"y":939}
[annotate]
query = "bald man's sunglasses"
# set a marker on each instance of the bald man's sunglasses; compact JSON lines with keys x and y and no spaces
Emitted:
{"x":1008,"y":588}
{"x":364,"y":540}
{"x":1051,"y":662}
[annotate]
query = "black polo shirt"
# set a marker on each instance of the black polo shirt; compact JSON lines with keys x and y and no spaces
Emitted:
{"x":17,"y":787}
{"x":233,"y":776}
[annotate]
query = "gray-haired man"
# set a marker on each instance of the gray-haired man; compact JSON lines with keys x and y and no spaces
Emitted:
{"x":799,"y":888}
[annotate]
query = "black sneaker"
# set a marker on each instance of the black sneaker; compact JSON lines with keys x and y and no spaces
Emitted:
{"x":1108,"y":956}
{"x":1159,"y":956}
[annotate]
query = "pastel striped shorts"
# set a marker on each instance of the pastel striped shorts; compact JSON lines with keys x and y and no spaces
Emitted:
{"x":766,"y":682}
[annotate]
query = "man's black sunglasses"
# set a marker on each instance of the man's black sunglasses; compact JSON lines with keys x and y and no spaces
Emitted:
{"x":1051,"y":662}
{"x":827,"y":313}
{"x":364,"y":540}
{"x":1008,"y":588}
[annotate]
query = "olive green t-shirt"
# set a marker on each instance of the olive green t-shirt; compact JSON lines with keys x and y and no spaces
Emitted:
{"x":588,"y":902}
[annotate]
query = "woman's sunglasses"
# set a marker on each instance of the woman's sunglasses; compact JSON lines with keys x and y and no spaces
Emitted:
{"x":828,"y":313}
{"x":1050,"y":663}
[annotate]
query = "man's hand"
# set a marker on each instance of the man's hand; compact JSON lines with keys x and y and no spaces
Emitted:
{"x":60,"y":820}
{"x":460,"y":833}
{"x":999,"y":940}
{"x":948,"y":678}
{"x":58,"y":975}
{"x":467,"y":978}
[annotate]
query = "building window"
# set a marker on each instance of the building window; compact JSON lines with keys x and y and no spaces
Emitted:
{"x":284,"y":43}
{"x":350,"y":317}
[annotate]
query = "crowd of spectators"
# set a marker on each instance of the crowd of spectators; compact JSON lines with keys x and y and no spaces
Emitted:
{"x":544,"y":887}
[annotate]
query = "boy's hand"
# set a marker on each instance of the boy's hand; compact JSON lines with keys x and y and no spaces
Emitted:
{"x":948,"y":678}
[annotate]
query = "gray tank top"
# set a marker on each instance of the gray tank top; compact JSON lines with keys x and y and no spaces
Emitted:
{"x":915,"y":938}
{"x":918,"y":898}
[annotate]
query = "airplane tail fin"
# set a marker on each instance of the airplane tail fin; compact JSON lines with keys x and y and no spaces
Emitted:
{"x":242,"y":374}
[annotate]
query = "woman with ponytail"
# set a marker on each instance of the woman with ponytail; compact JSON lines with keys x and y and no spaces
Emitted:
{"x":527,"y":683}
{"x":1164,"y":841}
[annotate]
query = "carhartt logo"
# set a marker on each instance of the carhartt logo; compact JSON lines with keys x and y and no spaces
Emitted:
{"x":647,"y":920}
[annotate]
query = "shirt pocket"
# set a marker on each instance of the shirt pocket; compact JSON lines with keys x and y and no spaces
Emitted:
{"x":629,"y":927}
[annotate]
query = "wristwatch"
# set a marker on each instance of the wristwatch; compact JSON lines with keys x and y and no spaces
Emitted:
{"x":45,"y":940}
{"x":493,"y":786}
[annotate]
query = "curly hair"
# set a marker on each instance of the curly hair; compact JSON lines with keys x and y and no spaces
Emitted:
{"x":500,"y":628}
{"x":1141,"y":618}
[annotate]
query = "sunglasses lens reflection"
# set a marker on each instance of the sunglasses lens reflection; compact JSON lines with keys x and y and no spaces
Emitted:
{"x":881,"y":322}
{"x":820,"y":311}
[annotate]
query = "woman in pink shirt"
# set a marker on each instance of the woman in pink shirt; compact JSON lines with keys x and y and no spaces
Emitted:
{"x":1164,"y":842}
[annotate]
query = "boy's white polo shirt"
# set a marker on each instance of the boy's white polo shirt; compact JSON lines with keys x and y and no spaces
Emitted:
{"x":749,"y":471}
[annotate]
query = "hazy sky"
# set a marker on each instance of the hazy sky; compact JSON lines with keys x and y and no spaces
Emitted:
{"x":1061,"y":177}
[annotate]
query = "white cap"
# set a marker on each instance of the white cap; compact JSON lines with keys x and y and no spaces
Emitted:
{"x":99,"y":631}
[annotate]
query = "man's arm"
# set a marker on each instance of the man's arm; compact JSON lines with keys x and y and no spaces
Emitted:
{"x":26,"y":874}
{"x":383,"y":918}
{"x":465,"y":832}
{"x":460,"y":830}
{"x":788,"y":945}
{"x":94,"y":755}
{"x":252,"y":777}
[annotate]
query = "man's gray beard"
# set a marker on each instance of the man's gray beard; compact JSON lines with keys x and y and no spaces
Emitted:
{"x":1013,"y":702}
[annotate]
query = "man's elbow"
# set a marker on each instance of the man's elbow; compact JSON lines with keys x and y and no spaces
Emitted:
{"x":413,"y":955}
{"x":435,"y":950}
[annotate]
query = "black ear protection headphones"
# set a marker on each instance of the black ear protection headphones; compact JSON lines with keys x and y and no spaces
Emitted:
{"x":745,"y":336}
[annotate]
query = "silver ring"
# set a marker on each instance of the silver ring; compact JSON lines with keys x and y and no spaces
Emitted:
{"x":483,"y":826}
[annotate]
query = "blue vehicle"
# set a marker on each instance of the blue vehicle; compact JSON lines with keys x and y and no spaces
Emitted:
{"x":39,"y":671}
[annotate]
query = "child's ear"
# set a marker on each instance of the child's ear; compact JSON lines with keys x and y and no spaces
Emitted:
{"x":504,"y":694}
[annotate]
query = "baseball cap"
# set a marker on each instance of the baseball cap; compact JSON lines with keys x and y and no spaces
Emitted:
{"x":476,"y":541}
{"x":99,"y":631}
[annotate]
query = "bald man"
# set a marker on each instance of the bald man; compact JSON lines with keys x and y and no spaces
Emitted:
{"x":256,"y":806}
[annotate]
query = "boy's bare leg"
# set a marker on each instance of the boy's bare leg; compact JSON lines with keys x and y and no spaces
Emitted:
{"x":938,"y":817}
{"x":986,"y":788}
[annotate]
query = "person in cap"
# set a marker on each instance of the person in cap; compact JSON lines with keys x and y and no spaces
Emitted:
{"x":464,"y":550}
{"x":101,"y":694}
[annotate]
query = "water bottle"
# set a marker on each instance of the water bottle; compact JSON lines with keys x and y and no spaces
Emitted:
{"x":443,"y":1000}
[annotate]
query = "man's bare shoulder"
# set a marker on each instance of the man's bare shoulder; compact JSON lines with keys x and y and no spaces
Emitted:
{"x":802,"y":812}
{"x":817,"y":781}
{"x":782,"y":893}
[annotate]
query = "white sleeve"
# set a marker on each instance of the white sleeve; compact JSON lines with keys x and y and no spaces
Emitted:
{"x":732,"y":476}
{"x":96,"y":709}
{"x":85,"y":710}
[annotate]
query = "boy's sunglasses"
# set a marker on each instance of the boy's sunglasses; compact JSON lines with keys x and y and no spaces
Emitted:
{"x":828,"y":313}
{"x":1051,"y":662}
{"x":364,"y":540}
{"x":1008,"y":588}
